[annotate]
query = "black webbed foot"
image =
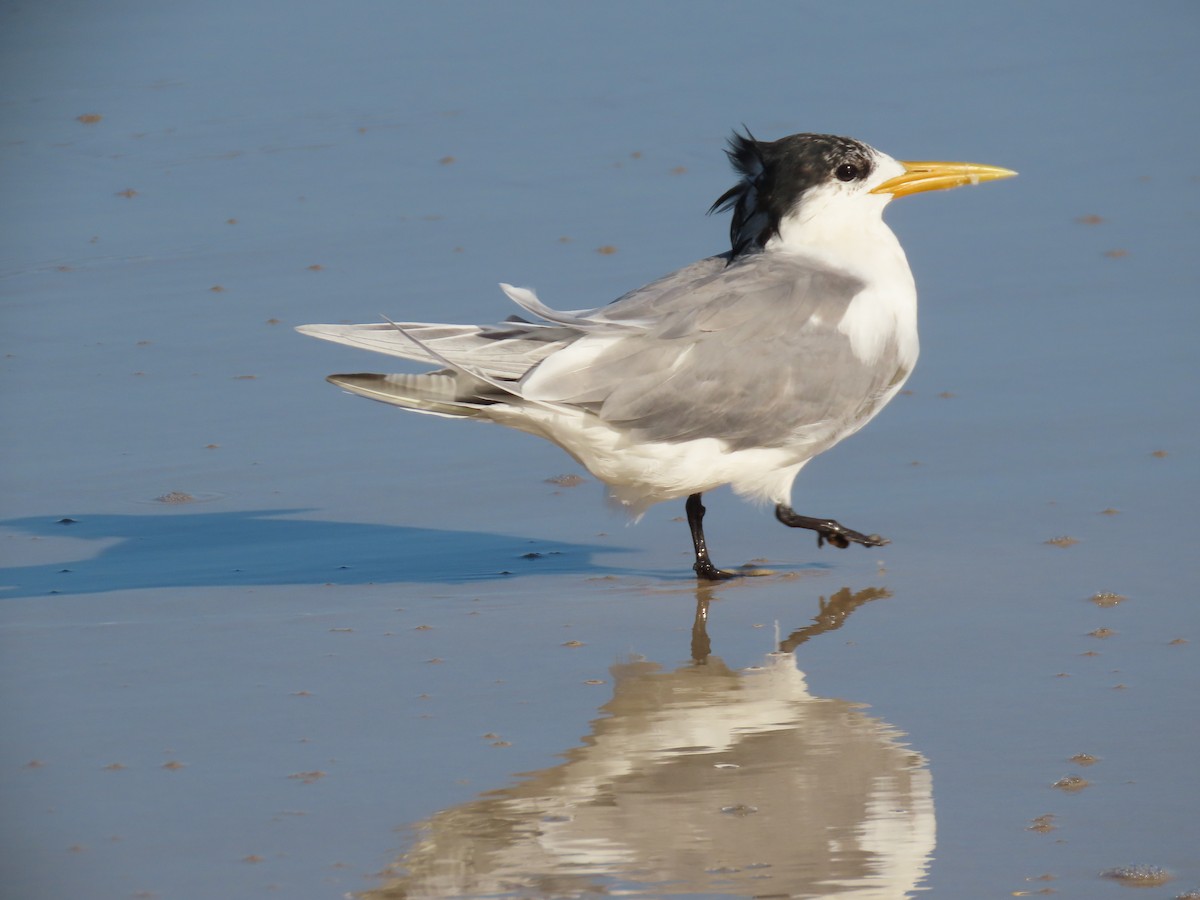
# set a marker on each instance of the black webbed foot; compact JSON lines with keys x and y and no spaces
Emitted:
{"x":706,"y":570}
{"x":828,"y":529}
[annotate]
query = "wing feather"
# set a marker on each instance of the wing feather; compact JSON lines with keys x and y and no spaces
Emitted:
{"x":507,"y":350}
{"x":749,"y":353}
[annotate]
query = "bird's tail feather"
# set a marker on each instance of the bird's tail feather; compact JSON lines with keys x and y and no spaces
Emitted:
{"x":455,"y":366}
{"x":436,"y":393}
{"x":467,"y":386}
{"x":458,"y":390}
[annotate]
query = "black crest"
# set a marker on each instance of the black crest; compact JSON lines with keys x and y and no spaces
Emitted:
{"x":774,"y":176}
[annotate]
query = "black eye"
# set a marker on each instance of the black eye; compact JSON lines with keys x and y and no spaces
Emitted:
{"x":847,"y":172}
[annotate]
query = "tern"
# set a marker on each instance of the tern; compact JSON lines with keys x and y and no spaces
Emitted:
{"x":737,"y":369}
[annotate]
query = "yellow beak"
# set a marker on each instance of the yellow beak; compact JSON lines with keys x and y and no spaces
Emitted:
{"x":938,"y":176}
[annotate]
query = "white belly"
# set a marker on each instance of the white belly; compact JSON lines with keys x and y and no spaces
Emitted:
{"x":641,"y":474}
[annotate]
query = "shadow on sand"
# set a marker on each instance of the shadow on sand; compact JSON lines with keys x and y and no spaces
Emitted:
{"x":262,"y":547}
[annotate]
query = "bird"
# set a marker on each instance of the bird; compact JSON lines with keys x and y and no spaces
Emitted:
{"x":734,"y":370}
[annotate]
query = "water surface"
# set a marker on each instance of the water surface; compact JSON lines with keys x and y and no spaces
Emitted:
{"x":323,"y":669}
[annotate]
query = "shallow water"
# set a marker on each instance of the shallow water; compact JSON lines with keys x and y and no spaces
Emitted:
{"x":359,"y":652}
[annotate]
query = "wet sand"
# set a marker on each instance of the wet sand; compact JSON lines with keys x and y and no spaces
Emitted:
{"x":264,"y":639}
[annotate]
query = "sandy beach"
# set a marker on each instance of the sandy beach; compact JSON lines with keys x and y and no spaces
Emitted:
{"x":263,"y":639}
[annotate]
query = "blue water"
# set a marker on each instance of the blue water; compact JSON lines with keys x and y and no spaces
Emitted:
{"x":364,"y":594}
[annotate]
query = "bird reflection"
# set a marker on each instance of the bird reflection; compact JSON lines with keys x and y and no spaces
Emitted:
{"x":703,"y":780}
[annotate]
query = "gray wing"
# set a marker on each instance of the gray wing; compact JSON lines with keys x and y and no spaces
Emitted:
{"x":504,"y":351}
{"x":512,"y":348}
{"x":749,"y":353}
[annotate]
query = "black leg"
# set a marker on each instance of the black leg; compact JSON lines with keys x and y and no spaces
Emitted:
{"x":701,"y":644}
{"x":832,"y":616}
{"x":827,"y":529}
{"x":703,"y":567}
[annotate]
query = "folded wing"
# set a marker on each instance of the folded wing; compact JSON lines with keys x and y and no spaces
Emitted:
{"x":749,"y":353}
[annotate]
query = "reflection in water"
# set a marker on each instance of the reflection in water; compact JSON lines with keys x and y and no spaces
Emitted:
{"x":704,"y":781}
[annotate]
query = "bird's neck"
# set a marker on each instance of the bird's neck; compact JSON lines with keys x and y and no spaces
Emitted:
{"x":855,"y":241}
